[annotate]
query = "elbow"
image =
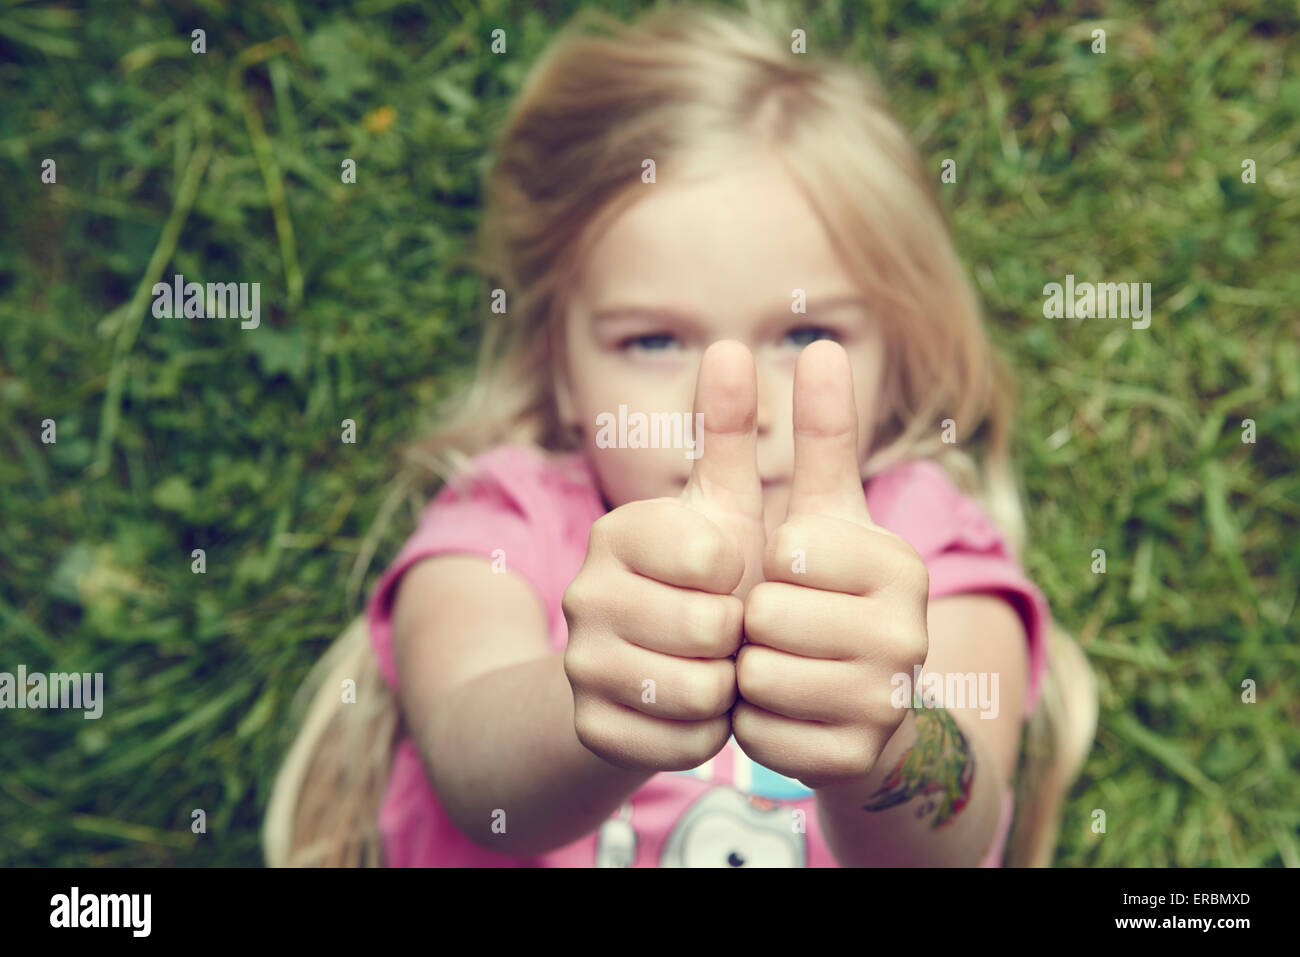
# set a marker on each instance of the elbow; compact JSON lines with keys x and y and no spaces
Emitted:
{"x":497,"y":832}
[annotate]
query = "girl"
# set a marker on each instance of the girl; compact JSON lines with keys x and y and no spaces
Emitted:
{"x":701,"y":644}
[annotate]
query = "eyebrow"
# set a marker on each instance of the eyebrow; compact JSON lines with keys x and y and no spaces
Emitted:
{"x":814,"y":309}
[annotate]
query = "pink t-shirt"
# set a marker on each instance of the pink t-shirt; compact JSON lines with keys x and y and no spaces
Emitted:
{"x":535,"y":516}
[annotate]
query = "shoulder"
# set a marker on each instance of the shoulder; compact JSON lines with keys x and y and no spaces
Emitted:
{"x":518,"y":471}
{"x":511,"y":495}
{"x":964,"y":551}
{"x":524,"y":509}
{"x":918,"y":501}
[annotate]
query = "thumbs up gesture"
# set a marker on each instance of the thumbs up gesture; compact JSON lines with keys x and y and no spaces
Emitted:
{"x":829,"y":607}
{"x":655,"y":612}
{"x":724,"y":485}
{"x":841,"y":609}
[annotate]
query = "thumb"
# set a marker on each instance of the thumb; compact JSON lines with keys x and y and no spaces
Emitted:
{"x":827,"y":477}
{"x":724,"y":485}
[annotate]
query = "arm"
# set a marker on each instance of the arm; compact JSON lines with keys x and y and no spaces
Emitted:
{"x":490,"y":709}
{"x":962,"y":753}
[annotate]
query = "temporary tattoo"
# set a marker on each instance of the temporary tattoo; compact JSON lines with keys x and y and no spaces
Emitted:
{"x":939,"y":767}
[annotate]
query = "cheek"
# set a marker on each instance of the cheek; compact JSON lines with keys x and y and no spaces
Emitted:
{"x":868,"y":389}
{"x":626,"y":473}
{"x":604,"y":381}
{"x":631,"y":475}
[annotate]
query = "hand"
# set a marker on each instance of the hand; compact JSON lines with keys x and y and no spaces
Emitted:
{"x":655,"y":612}
{"x":842,"y":609}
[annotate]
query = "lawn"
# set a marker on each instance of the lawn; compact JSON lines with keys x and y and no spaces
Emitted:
{"x":179,"y":434}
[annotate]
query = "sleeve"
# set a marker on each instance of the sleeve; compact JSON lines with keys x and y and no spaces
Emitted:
{"x":964,"y":552}
{"x":482,"y":516}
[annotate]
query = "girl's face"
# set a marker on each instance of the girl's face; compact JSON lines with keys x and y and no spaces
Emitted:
{"x":682,"y":268}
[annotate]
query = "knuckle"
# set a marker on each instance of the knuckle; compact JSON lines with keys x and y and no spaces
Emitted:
{"x":916,"y":647}
{"x":732,"y":625}
{"x":570,"y":603}
{"x":760,"y":607}
{"x":604,"y":736}
{"x":782,"y":544}
{"x":699,"y":691}
{"x":575,"y":666}
{"x":585,"y":726}
{"x":577,"y":598}
{"x":917,"y":574}
{"x":745,"y":672}
{"x":909,"y":571}
{"x":702,"y":555}
{"x":604,"y":531}
{"x":704,"y":623}
{"x":702,"y":741}
{"x":718,"y":690}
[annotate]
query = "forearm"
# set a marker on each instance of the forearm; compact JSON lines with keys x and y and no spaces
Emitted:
{"x":940,"y":807}
{"x":510,"y":770}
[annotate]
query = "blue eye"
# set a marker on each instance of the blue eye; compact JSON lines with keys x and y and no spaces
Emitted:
{"x":657,"y":342}
{"x":806,"y":335}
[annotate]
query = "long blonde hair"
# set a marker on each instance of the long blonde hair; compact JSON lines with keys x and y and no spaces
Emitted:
{"x":693,"y":90}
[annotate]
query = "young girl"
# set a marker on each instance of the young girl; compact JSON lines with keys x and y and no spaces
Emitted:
{"x":733,"y":469}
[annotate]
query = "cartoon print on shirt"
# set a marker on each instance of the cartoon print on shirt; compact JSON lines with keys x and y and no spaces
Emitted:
{"x":741,"y":825}
{"x":725,"y":828}
{"x":616,"y":841}
{"x":750,"y":777}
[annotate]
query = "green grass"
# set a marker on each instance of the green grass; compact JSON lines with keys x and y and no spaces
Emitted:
{"x":175,"y":435}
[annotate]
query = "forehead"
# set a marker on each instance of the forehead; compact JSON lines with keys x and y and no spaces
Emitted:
{"x":746,"y":239}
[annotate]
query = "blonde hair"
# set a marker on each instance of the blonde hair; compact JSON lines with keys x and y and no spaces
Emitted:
{"x":695,"y":89}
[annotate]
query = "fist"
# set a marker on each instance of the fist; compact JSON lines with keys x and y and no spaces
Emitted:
{"x":655,"y":613}
{"x":842,"y":607}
